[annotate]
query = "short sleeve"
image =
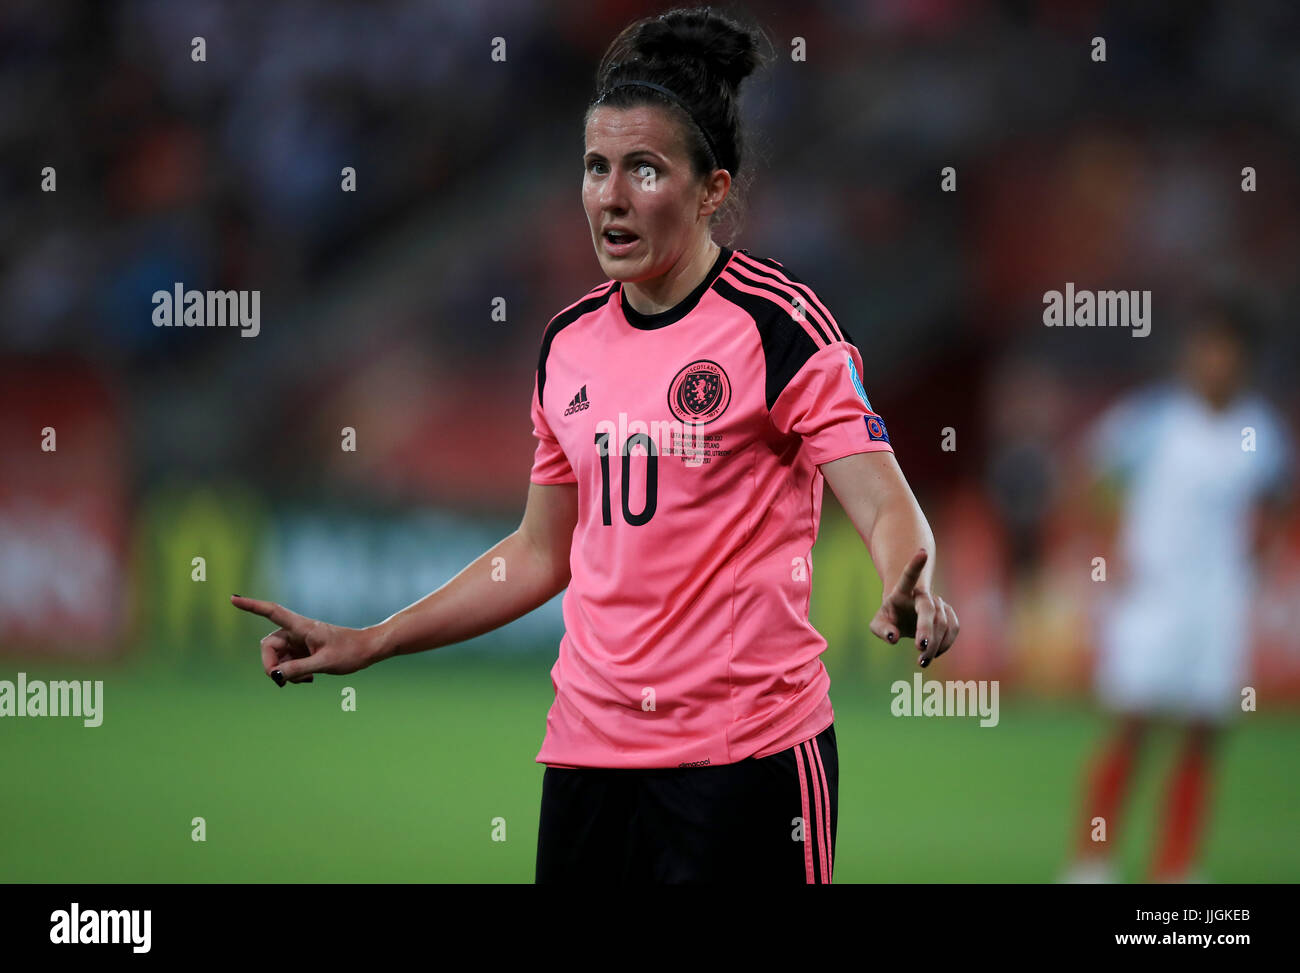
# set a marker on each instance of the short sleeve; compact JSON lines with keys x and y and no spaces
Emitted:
{"x":1274,"y":451}
{"x":550,"y":465}
{"x":826,"y":405}
{"x":1119,"y":439}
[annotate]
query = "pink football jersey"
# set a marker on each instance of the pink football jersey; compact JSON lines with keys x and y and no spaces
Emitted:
{"x":694,"y":437}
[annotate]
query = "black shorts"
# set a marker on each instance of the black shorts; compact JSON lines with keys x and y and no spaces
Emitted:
{"x":768,"y":819}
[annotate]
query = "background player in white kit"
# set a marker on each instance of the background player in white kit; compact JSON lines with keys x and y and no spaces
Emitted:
{"x":1175,"y":631}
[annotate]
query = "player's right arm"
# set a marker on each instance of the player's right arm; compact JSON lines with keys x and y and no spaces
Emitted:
{"x":1110,"y":451}
{"x":488,"y":593}
{"x":485,"y":595}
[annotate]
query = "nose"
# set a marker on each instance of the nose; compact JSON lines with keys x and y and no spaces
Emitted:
{"x":613,"y":194}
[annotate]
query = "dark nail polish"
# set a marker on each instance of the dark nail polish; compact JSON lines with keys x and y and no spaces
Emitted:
{"x":925,"y":643}
{"x":278,"y":676}
{"x":238,"y":595}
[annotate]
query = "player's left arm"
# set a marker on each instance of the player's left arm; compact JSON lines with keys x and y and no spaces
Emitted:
{"x":874,"y":493}
{"x":1268,"y":542}
{"x":1273,"y":510}
{"x":1275,"y":500}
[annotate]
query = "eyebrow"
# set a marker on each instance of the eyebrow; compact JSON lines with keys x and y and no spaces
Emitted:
{"x":648,"y":153}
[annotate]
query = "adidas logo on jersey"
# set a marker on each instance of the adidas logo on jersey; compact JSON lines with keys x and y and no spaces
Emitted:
{"x":579,"y":402}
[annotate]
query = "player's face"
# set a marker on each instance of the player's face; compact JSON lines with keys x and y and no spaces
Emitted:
{"x":637,"y":176}
{"x":1214,"y":363}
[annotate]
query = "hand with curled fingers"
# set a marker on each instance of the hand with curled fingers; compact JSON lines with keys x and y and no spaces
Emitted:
{"x":911,"y":610}
{"x":302,"y":646}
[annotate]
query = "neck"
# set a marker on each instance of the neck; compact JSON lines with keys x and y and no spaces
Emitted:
{"x":1220,"y":401}
{"x":667,"y":290}
{"x":1216,"y":398}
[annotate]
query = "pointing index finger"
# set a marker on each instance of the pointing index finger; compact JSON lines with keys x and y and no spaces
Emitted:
{"x":267,"y":609}
{"x":912,"y":573}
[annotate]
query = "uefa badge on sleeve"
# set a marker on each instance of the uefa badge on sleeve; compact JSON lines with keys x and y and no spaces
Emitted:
{"x":876,"y":429}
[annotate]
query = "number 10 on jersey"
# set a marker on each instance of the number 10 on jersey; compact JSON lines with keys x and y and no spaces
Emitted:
{"x":651,"y":478}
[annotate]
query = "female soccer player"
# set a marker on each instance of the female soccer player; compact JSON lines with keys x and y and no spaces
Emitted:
{"x":686,"y":412}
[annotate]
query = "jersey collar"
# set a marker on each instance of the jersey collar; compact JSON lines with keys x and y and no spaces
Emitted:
{"x":649,"y":322}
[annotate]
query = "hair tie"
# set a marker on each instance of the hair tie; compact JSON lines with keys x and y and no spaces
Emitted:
{"x":672,"y":97}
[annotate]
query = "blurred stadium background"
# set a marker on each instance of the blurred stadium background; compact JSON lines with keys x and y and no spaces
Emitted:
{"x":377,"y":314}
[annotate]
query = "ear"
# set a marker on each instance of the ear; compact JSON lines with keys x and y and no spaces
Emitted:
{"x":715,"y":193}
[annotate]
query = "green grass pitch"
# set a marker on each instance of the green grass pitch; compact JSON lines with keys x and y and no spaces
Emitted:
{"x":407,"y":787}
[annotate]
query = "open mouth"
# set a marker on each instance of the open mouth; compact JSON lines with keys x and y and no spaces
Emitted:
{"x":620,"y":237}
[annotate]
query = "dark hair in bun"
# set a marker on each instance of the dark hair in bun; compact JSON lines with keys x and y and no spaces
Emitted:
{"x":702,"y":56}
